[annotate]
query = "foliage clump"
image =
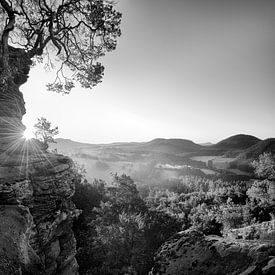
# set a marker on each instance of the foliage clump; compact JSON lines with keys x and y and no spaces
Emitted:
{"x":117,"y":232}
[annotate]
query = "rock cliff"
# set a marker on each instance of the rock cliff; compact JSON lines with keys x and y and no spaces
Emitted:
{"x":190,"y":252}
{"x":36,"y":215}
{"x":35,"y":189}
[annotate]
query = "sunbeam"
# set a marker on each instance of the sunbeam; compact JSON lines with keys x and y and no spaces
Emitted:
{"x":28,"y":133}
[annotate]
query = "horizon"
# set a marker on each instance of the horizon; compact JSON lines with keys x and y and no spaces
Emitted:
{"x":172,"y":138}
{"x":204,"y":73}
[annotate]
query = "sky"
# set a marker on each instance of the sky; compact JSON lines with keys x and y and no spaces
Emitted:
{"x":193,"y":69}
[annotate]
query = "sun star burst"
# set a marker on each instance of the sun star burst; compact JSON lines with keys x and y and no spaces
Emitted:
{"x":28,"y":134}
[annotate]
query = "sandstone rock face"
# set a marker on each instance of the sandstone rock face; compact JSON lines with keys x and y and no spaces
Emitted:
{"x":190,"y":252}
{"x":36,"y":214}
{"x":35,"y":188}
{"x":12,"y":105}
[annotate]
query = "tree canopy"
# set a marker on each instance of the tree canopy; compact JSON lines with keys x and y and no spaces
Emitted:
{"x":78,"y":32}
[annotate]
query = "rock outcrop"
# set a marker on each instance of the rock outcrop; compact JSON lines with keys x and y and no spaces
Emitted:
{"x":190,"y":252}
{"x":12,"y":105}
{"x":36,"y":213}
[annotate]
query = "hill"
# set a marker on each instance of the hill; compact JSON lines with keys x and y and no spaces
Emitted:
{"x":159,"y":145}
{"x":263,"y":146}
{"x":169,"y":146}
{"x":241,"y":147}
{"x":244,"y":159}
{"x":237,"y":142}
{"x":67,"y":146}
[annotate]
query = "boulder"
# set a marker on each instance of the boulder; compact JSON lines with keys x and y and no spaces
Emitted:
{"x":191,"y":252}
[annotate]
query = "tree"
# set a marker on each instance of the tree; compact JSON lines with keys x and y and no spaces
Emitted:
{"x":86,"y":197}
{"x":204,"y":218}
{"x":262,"y":192}
{"x":121,"y":245}
{"x":265,"y":166}
{"x":116,"y":232}
{"x":76,"y":32}
{"x":44,"y":131}
{"x":120,"y":223}
{"x":265,"y":169}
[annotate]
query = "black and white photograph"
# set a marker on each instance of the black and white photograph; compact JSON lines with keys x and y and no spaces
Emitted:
{"x":137,"y":137}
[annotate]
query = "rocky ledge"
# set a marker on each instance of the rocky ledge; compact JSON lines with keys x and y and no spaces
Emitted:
{"x":191,"y":252}
{"x":36,"y":214}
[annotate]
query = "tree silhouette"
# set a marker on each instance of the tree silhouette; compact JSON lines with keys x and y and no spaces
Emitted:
{"x":78,"y":32}
{"x":44,"y":131}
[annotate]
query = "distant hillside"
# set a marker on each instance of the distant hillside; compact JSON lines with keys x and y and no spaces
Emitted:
{"x":68,"y":146}
{"x":253,"y":152}
{"x":244,"y":159}
{"x":244,"y":147}
{"x":159,"y":145}
{"x":134,"y":157}
{"x":237,"y":142}
{"x":170,"y":146}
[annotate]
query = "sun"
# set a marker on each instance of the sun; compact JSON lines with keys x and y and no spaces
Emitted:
{"x":29,"y":133}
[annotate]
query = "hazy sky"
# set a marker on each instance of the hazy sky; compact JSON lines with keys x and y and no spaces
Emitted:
{"x":198,"y":69}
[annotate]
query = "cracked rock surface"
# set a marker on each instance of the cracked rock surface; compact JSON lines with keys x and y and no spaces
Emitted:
{"x":191,"y":252}
{"x":36,"y":215}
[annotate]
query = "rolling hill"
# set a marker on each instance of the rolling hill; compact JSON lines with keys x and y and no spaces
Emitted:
{"x":67,"y":146}
{"x":237,"y":142}
{"x":159,"y":145}
{"x":263,"y":146}
{"x":241,"y":146}
{"x":169,"y":146}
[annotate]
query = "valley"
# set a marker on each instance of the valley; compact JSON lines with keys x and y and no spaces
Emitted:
{"x":161,"y":160}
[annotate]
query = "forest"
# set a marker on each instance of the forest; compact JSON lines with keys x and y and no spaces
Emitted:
{"x":119,"y":231}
